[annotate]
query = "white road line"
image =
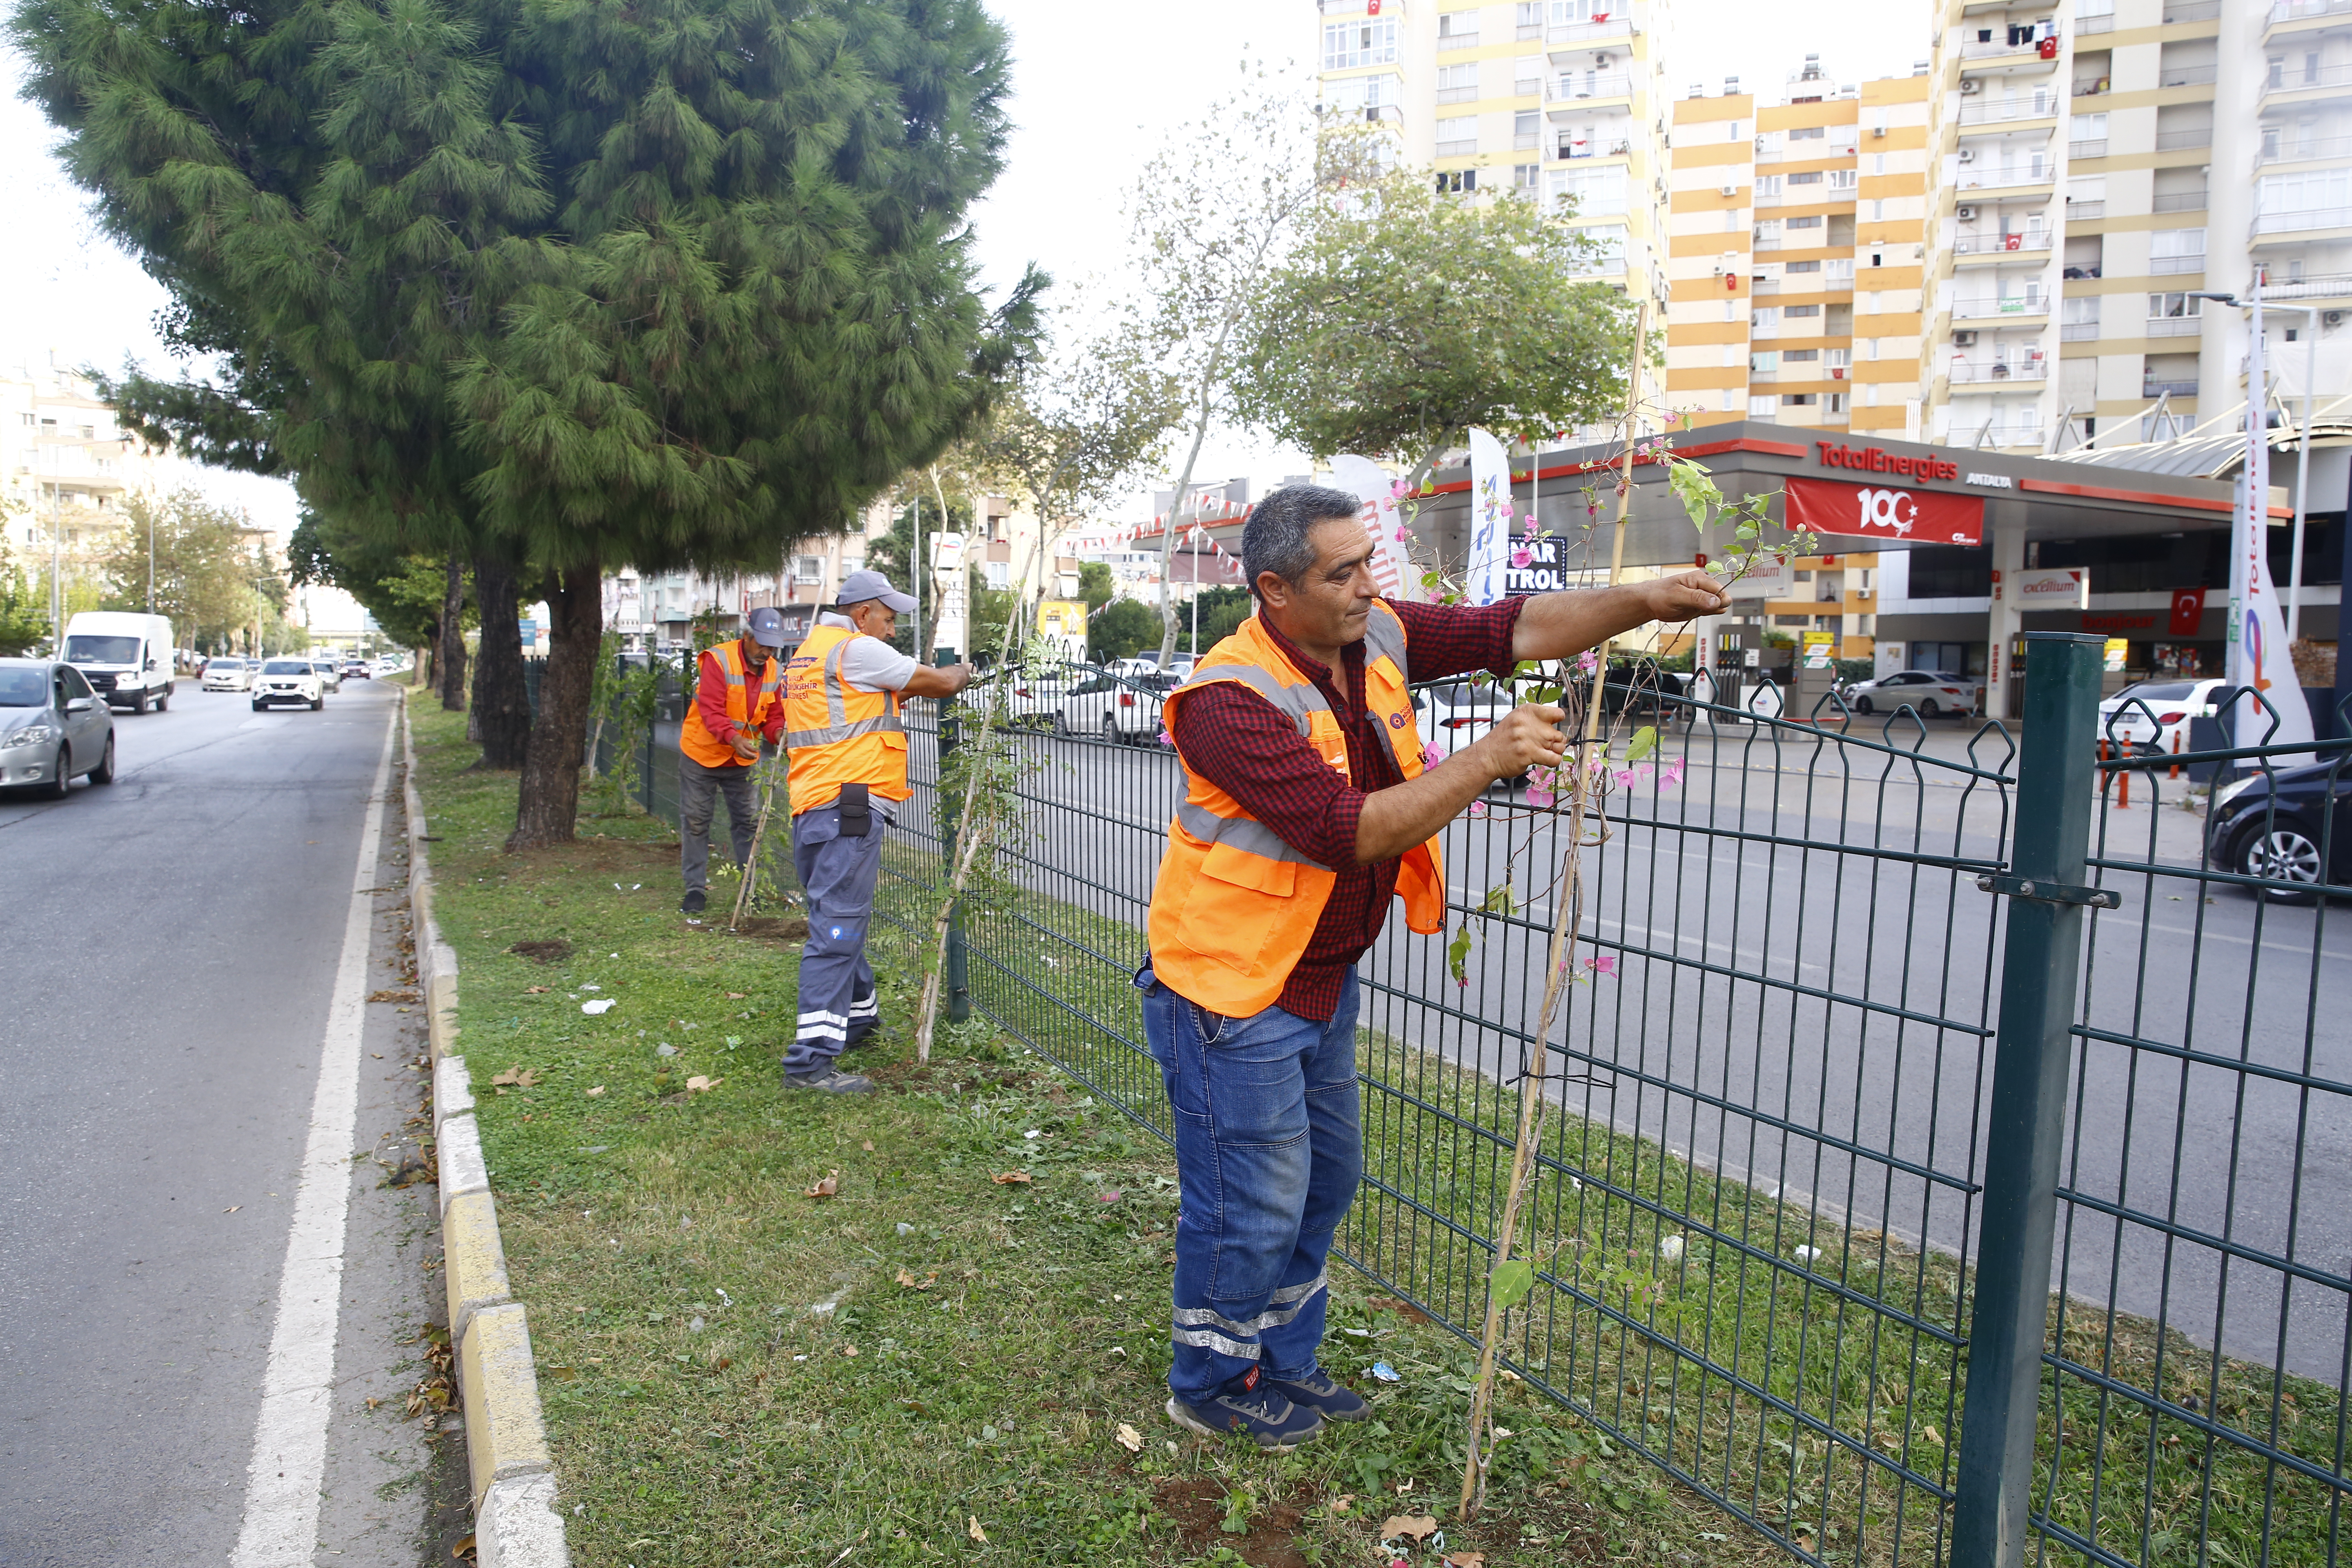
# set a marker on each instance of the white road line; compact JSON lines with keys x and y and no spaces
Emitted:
{"x":290,"y":1443}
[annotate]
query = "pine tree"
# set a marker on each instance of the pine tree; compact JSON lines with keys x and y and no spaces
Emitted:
{"x":582,"y":284}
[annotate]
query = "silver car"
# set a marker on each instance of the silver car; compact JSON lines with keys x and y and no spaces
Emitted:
{"x":52,"y":727}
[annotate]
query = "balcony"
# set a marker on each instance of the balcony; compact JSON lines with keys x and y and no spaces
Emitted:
{"x":2191,"y":11}
{"x":2151,"y":388}
{"x":2307,"y":149}
{"x":2282,"y":11}
{"x":2078,"y":332}
{"x":2284,"y":83}
{"x":1998,"y":373}
{"x":1585,"y":86}
{"x":2173,"y":266}
{"x":2185,"y":76}
{"x":1767,"y":242}
{"x":2083,"y":212}
{"x":2085,"y":26}
{"x":2184,"y":141}
{"x":1976,"y":177}
{"x":1998,"y":244}
{"x":2008,"y":110}
{"x":2322,"y":286}
{"x":1589,"y":35}
{"x":2174,"y":326}
{"x":2302,"y":220}
{"x":1569,"y":151}
{"x":2178,"y":201}
{"x":2087,"y":147}
{"x":2016,"y":309}
{"x":1446,"y":42}
{"x":1975,"y":51}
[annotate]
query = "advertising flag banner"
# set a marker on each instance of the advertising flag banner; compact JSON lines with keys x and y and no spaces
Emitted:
{"x":1392,"y":567}
{"x":2258,"y":652}
{"x":1490,"y":517}
{"x":1885,"y":511}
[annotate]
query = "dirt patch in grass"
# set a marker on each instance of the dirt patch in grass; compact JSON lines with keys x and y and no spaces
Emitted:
{"x":774,"y":928}
{"x":1203,"y":1511}
{"x":553,"y":951}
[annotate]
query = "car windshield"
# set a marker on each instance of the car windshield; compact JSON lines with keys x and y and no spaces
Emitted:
{"x":225,"y":664}
{"x":23,"y":688}
{"x":2162,"y":691}
{"x":286,"y":667}
{"x":90,"y":648}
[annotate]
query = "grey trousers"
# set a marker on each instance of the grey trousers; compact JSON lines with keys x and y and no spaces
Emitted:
{"x":837,"y":1006}
{"x":698,"y":788}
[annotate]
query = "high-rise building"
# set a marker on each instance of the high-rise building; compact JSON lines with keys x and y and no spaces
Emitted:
{"x":1542,"y":98}
{"x":1796,"y":253}
{"x":2098,"y":169}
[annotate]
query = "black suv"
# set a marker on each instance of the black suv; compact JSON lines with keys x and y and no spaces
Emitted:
{"x":2292,"y":825}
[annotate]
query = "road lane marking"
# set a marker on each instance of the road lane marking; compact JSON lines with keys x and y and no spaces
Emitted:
{"x":280,"y":1529}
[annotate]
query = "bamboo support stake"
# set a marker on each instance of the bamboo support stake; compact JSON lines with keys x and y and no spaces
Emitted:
{"x":1532,"y":1101}
{"x":776,"y":765}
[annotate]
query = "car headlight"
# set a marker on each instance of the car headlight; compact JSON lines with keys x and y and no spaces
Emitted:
{"x":2229,"y":792}
{"x":29,"y":736}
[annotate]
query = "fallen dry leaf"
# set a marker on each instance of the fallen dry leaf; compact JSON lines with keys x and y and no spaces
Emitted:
{"x":596,"y":1091}
{"x":463,"y":1550}
{"x":1409,"y":1313}
{"x":911,"y":1283}
{"x":971,"y":1528}
{"x":392,"y":995}
{"x":825,"y":1188}
{"x":1413,"y":1527}
{"x":735,"y":995}
{"x":563,"y":1373}
{"x":536,"y":990}
{"x":1343,"y":1502}
{"x":518,"y":1077}
{"x":1465,"y":1560}
{"x":849,"y":1350}
{"x":1011,"y":1179}
{"x":1129,"y":1438}
{"x":698,"y":1084}
{"x":867,"y":1145}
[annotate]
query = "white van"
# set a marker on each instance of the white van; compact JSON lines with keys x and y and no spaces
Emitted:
{"x":126,"y":656}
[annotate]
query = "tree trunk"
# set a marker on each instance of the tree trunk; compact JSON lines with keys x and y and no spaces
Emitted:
{"x":548,"y":803}
{"x":502,"y":701}
{"x":449,"y":668}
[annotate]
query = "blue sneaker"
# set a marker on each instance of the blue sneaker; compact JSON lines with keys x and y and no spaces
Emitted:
{"x":1318,"y":1392}
{"x":1274,"y":1422}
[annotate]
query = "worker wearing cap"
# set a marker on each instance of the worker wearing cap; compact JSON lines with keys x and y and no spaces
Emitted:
{"x":737,"y":699}
{"x":848,"y":768}
{"x":1307,"y":807}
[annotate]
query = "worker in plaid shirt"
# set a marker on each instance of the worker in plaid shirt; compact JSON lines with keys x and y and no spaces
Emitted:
{"x":1308,"y":807}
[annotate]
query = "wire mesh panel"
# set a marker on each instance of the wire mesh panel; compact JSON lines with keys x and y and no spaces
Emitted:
{"x":2199,"y":1343}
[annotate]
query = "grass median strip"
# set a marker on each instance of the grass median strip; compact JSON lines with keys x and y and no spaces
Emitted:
{"x":930,"y":1325}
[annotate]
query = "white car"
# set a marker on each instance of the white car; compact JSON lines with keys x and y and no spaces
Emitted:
{"x":1452,"y":716}
{"x":1927,"y":692}
{"x":287,"y":680}
{"x":2152,"y":716}
{"x":229,"y":675}
{"x":330,"y":673}
{"x":1114,"y":707}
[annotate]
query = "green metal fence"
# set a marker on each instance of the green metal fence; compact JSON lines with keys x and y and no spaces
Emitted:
{"x":1905,"y":1199}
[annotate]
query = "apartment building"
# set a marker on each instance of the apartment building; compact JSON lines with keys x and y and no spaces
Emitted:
{"x":2098,"y":168}
{"x":1551,"y":99}
{"x":1796,"y":253}
{"x":65,"y":466}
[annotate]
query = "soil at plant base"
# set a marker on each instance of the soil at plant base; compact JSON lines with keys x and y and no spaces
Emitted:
{"x":1563,"y":1533}
{"x":551,"y":951}
{"x":1197,"y":1507}
{"x":774,"y":928}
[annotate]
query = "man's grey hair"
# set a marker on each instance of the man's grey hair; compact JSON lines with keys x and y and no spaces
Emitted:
{"x":1275,"y":539}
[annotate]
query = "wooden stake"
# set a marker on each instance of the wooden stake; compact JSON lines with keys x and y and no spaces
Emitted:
{"x":1532,"y":1100}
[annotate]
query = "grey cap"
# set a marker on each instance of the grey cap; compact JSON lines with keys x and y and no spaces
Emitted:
{"x":766,"y":626}
{"x":859,"y":587}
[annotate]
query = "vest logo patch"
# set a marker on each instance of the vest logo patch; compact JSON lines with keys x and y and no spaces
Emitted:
{"x":1396,"y":719}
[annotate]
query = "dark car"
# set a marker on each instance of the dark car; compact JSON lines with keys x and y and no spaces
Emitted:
{"x":52,"y":726}
{"x":2291,"y":826}
{"x":357,"y":669}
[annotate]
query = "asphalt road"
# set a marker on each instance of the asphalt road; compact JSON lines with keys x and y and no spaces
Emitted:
{"x":174,"y":942}
{"x":1818,"y":1024}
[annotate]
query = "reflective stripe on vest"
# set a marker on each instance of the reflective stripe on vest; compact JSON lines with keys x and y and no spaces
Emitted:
{"x":836,"y":710}
{"x":836,"y":735}
{"x":745,"y":710}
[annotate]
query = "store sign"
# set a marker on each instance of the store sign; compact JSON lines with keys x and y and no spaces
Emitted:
{"x":2065,"y":588}
{"x":1887,"y":512}
{"x":1769,"y":578}
{"x":1879,"y":461}
{"x":1816,"y":649}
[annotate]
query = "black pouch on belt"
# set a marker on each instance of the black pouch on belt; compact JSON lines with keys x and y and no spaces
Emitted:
{"x":856,"y":811}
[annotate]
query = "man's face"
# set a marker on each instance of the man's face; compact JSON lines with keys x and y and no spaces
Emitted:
{"x":874,"y":618}
{"x":1331,"y":603}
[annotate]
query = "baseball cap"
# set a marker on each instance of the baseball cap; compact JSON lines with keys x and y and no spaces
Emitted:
{"x":767,"y":626}
{"x":860,"y":587}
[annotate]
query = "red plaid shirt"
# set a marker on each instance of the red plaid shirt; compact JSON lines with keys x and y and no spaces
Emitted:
{"x":1238,"y":741}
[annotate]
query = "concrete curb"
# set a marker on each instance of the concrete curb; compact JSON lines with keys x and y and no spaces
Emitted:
{"x":516,"y":1524}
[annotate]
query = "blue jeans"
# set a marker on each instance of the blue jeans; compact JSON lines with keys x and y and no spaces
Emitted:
{"x":1270,"y":1146}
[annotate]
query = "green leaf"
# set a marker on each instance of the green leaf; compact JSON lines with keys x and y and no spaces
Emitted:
{"x":1498,"y":901}
{"x":1511,"y":1281}
{"x":1700,"y":495}
{"x":1644,"y":741}
{"x":1457,"y":954}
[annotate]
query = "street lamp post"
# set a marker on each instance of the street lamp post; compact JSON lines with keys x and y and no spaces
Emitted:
{"x":2255,"y":397}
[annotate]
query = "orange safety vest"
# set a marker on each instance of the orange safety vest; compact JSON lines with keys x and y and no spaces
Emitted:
{"x":1234,"y":905}
{"x":747,"y":709}
{"x":836,"y":733}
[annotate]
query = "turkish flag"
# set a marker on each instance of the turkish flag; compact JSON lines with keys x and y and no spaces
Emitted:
{"x":1892,"y":510}
{"x":2188,"y":612}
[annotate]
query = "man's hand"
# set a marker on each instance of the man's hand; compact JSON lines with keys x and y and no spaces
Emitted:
{"x":1529,"y":736}
{"x":959,"y":675}
{"x":1686,"y":596}
{"x":942,"y":680}
{"x":745,"y":745}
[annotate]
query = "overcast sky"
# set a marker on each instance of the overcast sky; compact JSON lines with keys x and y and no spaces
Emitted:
{"x":1097,"y":87}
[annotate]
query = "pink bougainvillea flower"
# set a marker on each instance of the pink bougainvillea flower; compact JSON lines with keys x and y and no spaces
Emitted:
{"x":1674,"y":773}
{"x":1404,"y":535}
{"x":1540,"y":776}
{"x":1589,"y":660}
{"x":1542,"y":798}
{"x":1478,"y":809}
{"x":1624,"y":777}
{"x":1606,"y":965}
{"x":1521,"y":556}
{"x":1431,"y":756}
{"x":1400,"y":489}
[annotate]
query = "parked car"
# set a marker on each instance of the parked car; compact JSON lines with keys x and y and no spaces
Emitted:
{"x":356,"y":669}
{"x":287,"y":680}
{"x":1033,"y":697}
{"x":1454,"y":716}
{"x":2152,"y":716}
{"x":2292,"y":825}
{"x":53,"y":725}
{"x":330,"y":673}
{"x":126,"y":656}
{"x":1115,"y":707}
{"x":1927,"y":692}
{"x":1640,"y":688}
{"x":225,"y":674}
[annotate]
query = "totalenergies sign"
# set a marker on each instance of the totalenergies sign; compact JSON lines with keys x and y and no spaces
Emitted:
{"x":1885,"y":511}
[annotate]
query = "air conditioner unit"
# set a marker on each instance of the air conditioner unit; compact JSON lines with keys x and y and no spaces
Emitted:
{"x":2331,"y":317}
{"x":1966,"y":215}
{"x":1964,"y":340}
{"x":1731,"y":189}
{"x":1878,"y":130}
{"x":1970,"y":86}
{"x":1968,"y":154}
{"x":1604,"y":59}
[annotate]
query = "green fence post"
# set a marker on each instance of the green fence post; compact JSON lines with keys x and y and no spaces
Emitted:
{"x":957,"y":980}
{"x":2039,"y":965}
